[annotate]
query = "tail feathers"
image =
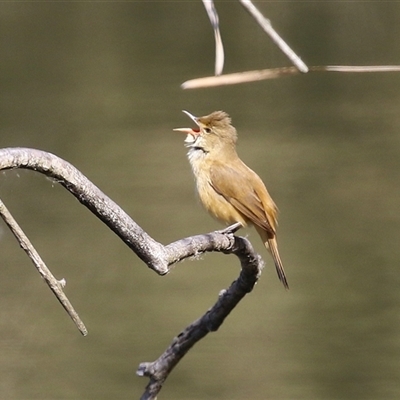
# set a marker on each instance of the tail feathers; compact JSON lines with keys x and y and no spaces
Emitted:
{"x":270,"y":243}
{"x":273,"y":248}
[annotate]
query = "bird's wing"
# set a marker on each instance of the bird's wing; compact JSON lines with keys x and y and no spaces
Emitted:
{"x":232,"y":184}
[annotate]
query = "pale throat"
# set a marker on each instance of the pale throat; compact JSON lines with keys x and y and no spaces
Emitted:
{"x":196,"y":158}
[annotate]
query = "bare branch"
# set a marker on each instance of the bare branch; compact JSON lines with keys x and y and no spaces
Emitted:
{"x":273,"y":34}
{"x":159,"y":370}
{"x":151,"y":252}
{"x":157,"y":257}
{"x":55,"y":285}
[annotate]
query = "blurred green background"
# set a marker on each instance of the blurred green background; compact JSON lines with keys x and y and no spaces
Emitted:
{"x":98,"y":83}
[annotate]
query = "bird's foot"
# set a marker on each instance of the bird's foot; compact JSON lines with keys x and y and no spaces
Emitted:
{"x":231,"y":228}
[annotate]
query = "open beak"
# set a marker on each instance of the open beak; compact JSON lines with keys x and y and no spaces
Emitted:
{"x":191,"y":116}
{"x":185,"y":130}
{"x":190,"y":131}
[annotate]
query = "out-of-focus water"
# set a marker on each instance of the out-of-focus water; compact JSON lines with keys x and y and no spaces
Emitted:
{"x":98,"y":85}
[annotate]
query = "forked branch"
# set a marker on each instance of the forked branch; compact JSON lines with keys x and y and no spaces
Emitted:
{"x":156,"y":256}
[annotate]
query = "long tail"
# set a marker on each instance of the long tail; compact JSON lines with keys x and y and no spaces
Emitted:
{"x":273,"y":249}
{"x":272,"y":246}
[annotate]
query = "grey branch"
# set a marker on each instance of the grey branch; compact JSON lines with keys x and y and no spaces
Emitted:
{"x":155,"y":255}
{"x":159,"y":370}
{"x":151,"y":252}
{"x":55,"y":286}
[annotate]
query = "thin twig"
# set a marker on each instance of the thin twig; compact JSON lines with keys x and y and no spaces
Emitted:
{"x":273,"y":34}
{"x":356,"y":68}
{"x":55,"y":286}
{"x":239,"y":77}
{"x":274,"y":73}
{"x":219,"y":48}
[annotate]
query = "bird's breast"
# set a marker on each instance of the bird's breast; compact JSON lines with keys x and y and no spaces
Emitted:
{"x":213,"y":202}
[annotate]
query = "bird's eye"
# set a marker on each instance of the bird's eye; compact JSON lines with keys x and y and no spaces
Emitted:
{"x":207,"y":130}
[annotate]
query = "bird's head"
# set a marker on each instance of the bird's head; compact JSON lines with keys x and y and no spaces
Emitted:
{"x":213,"y":132}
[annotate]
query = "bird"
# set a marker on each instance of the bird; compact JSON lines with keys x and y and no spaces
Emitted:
{"x":227,"y":188}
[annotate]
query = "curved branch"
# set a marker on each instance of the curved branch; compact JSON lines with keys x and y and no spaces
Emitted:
{"x":151,"y":252}
{"x":157,"y":256}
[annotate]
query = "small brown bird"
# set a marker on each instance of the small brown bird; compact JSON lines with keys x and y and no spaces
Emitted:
{"x":228,"y":189}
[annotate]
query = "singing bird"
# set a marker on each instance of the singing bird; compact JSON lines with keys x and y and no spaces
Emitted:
{"x":228,"y":189}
